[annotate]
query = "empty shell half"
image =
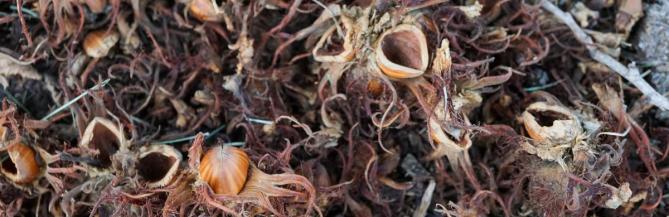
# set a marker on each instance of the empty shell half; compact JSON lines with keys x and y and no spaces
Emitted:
{"x":23,"y":166}
{"x":98,"y":43}
{"x":550,"y":124}
{"x":456,"y":138}
{"x":401,"y":52}
{"x":331,"y":47}
{"x":204,"y":10}
{"x":158,"y":164}
{"x":451,"y":141}
{"x":102,"y":139}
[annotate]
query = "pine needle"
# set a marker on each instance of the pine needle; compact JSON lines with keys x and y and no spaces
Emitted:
{"x":69,"y":103}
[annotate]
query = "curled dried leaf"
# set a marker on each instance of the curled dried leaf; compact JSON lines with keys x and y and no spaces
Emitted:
{"x":331,"y":47}
{"x":11,"y":66}
{"x":609,"y":98}
{"x":472,"y":11}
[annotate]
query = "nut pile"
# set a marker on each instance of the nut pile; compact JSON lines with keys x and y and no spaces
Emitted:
{"x":327,"y":108}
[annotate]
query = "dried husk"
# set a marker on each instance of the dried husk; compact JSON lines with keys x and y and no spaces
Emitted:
{"x":258,"y":188}
{"x":204,"y":11}
{"x":24,"y":165}
{"x":261,"y":186}
{"x":401,"y":52}
{"x":547,"y":187}
{"x":103,"y":139}
{"x":553,"y":131}
{"x":158,"y":164}
{"x":562,"y":129}
{"x":453,"y":142}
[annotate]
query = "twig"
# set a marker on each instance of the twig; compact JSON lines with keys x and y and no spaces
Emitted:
{"x":14,"y":100}
{"x":258,"y":121}
{"x":69,"y":103}
{"x":631,"y":73}
{"x":207,"y":135}
{"x":425,"y":200}
{"x":426,"y":4}
{"x":333,"y":15}
{"x":542,"y":87}
{"x":25,"y":10}
{"x":24,"y":27}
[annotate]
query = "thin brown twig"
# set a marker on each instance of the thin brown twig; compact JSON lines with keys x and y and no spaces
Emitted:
{"x":24,"y":28}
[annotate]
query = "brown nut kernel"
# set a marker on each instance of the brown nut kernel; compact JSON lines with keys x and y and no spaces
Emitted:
{"x":98,"y":43}
{"x":225,"y":169}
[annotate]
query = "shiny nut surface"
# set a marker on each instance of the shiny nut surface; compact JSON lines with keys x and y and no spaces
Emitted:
{"x":204,"y":10}
{"x":225,"y":169}
{"x":98,"y":43}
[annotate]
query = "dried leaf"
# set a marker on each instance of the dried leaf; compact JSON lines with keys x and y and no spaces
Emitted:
{"x":185,"y":113}
{"x":583,"y":14}
{"x":609,"y":98}
{"x":488,"y":81}
{"x":10,"y":66}
{"x":629,"y":13}
{"x":619,"y":196}
{"x":442,"y":60}
{"x":611,"y":40}
{"x":400,"y":186}
{"x":244,"y":46}
{"x":472,"y":11}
